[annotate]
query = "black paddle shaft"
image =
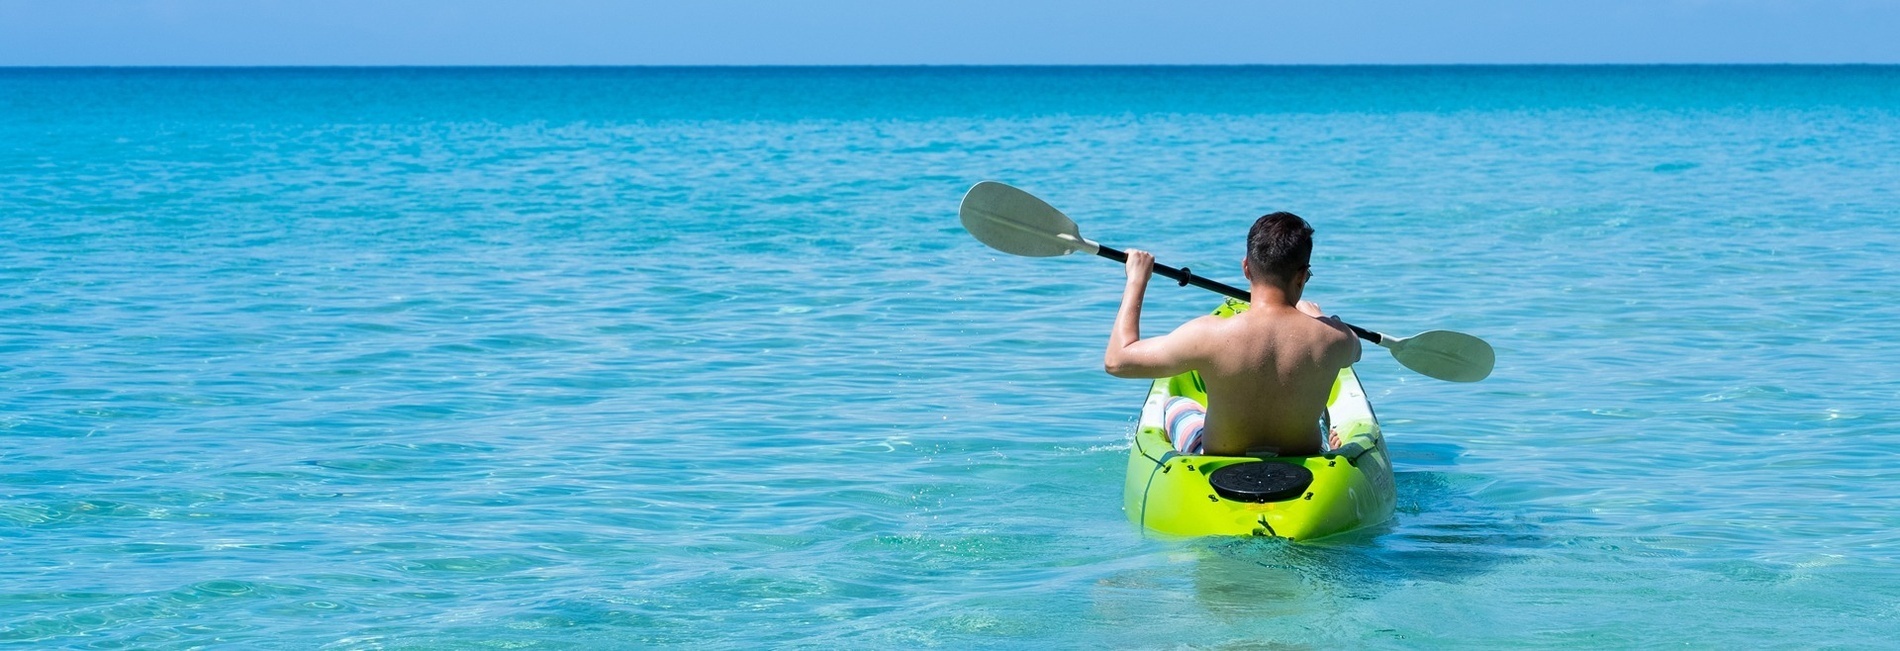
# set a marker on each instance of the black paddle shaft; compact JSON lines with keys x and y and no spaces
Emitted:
{"x":1186,"y":277}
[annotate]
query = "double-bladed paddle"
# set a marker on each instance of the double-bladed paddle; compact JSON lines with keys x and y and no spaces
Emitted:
{"x":1016,"y":222}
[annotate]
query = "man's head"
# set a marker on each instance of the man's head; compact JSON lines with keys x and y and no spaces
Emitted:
{"x":1279,"y":248}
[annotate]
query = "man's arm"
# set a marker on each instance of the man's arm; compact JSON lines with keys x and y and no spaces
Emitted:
{"x":1130,"y":356}
{"x":1348,"y":351}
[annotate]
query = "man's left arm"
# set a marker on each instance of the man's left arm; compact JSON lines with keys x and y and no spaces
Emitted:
{"x":1351,"y":345}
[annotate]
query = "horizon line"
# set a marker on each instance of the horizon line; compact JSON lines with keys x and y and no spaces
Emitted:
{"x":1692,"y":64}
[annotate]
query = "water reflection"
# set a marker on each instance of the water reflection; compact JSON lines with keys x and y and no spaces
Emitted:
{"x":1440,"y":533}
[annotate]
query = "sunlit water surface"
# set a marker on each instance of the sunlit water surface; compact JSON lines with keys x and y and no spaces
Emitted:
{"x":598,"y":358}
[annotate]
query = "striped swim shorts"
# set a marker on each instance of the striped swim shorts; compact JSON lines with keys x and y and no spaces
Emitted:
{"x":1183,"y":419}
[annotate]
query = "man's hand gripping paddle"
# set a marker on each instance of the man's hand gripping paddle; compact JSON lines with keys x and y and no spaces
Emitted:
{"x":1016,"y":222}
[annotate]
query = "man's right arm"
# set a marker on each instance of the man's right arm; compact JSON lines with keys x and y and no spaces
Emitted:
{"x":1129,"y":355}
{"x":1157,"y":357}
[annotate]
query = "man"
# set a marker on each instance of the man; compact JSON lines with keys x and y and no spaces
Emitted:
{"x":1268,"y":370}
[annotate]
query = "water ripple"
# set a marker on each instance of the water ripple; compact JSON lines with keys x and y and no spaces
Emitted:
{"x":606,"y":358}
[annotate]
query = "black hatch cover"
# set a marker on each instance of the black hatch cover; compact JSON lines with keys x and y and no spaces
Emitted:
{"x":1261,"y":481}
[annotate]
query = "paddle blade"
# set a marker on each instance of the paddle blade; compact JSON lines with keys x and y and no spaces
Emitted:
{"x":1445,"y":355}
{"x":1014,"y":221}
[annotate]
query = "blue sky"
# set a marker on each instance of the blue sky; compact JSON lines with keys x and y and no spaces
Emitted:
{"x":744,"y":32}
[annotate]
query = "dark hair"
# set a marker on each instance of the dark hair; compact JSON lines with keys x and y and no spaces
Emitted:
{"x":1280,"y":244}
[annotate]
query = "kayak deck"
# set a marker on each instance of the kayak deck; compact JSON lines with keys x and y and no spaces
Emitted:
{"x":1170,"y":492}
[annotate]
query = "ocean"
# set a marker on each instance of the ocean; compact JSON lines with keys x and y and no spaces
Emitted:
{"x":595,"y":358}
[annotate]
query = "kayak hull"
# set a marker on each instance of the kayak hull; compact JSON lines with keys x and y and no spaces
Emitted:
{"x":1169,"y":492}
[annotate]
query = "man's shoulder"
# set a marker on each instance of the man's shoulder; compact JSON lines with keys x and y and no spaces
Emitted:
{"x":1202,"y":326}
{"x":1326,"y":332}
{"x":1339,"y":328}
{"x":1343,"y":342}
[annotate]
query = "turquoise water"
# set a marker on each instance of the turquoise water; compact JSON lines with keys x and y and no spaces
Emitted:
{"x":604,"y":358}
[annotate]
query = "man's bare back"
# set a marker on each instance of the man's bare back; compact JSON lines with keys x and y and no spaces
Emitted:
{"x":1268,"y":370}
{"x":1268,"y":373}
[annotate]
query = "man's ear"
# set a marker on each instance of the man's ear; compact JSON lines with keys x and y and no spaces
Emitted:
{"x":1246,"y":270}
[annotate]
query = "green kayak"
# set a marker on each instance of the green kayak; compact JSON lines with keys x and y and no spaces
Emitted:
{"x":1298,"y":498}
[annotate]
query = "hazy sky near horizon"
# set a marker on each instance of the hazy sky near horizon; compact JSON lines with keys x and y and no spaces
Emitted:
{"x":749,"y":32}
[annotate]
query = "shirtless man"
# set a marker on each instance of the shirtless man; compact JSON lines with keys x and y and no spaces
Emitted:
{"x":1268,"y":370}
